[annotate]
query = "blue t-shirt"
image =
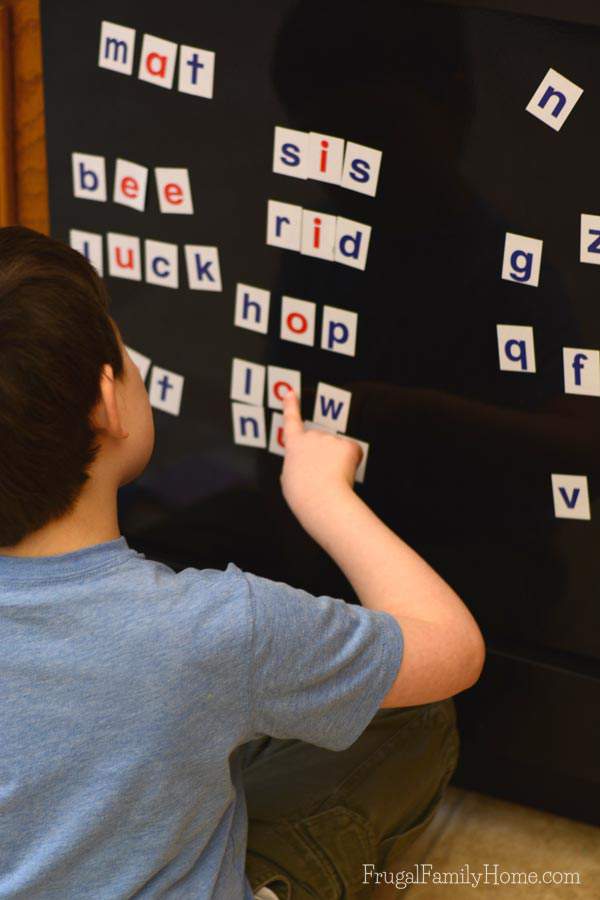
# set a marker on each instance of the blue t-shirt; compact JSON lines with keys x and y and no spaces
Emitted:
{"x":124,"y":690}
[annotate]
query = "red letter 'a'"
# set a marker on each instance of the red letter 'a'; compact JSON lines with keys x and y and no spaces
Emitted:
{"x":162,"y":72}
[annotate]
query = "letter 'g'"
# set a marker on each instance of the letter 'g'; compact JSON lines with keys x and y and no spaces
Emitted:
{"x":521,"y":271}
{"x":522,"y":259}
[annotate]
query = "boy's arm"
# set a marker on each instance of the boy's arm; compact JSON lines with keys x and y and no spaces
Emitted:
{"x":443,"y":646}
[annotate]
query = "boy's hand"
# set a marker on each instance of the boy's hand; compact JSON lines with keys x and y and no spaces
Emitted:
{"x":317,"y":464}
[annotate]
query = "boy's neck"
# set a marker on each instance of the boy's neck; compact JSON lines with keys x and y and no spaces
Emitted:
{"x":92,"y":520}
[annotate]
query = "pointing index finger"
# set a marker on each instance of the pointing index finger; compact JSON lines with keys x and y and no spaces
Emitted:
{"x":292,"y":419}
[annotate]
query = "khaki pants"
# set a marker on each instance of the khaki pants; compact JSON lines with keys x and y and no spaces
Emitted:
{"x":318,"y":817}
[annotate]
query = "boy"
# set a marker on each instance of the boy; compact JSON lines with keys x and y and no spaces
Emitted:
{"x":145,"y":714}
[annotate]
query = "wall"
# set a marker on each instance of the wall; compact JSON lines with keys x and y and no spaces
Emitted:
{"x":29,"y":137}
{"x":462,"y":444}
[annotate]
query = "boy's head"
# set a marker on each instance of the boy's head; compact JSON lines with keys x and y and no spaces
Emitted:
{"x":72,"y":402}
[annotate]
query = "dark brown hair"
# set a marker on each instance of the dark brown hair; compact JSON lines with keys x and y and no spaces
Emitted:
{"x":55,"y":336}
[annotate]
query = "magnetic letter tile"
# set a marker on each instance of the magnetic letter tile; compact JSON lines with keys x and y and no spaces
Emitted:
{"x":249,"y":425}
{"x":570,"y":495}
{"x":554,"y":99}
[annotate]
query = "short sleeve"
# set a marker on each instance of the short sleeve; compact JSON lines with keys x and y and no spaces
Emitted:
{"x":320,"y":667}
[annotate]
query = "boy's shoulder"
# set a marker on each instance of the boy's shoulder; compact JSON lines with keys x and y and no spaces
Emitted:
{"x":216,"y":586}
{"x":230,"y":575}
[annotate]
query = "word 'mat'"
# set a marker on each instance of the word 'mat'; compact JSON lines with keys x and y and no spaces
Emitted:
{"x":317,"y":234}
{"x":161,"y":260}
{"x":308,"y":154}
{"x":129,"y":187}
{"x":166,"y":388}
{"x":298,"y":320}
{"x":157,"y":60}
{"x":571,"y":496}
{"x":522,"y":259}
{"x":249,"y":429}
{"x":554,"y":99}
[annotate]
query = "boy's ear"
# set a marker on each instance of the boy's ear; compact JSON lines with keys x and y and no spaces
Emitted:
{"x":106,"y":416}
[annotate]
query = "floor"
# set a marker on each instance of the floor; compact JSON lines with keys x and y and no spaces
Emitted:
{"x":471,"y":830}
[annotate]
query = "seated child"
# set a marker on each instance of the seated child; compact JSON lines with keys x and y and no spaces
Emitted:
{"x":207,"y":733}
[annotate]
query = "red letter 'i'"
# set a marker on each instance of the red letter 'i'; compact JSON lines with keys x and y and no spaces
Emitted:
{"x":317,"y":237}
{"x":323,"y":166}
